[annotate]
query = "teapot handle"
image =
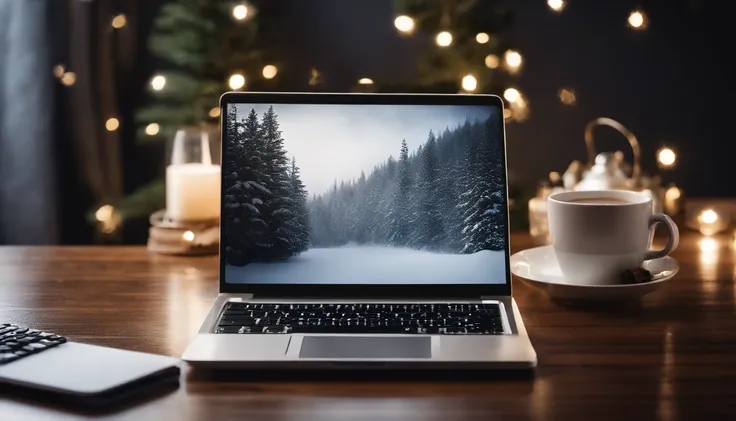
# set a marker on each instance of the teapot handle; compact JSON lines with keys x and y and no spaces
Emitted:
{"x":604,"y":121}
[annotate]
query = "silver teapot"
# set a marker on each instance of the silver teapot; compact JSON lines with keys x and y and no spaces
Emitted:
{"x":609,"y":170}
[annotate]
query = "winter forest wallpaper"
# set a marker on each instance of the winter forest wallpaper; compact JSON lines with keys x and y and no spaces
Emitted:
{"x":363,"y":194}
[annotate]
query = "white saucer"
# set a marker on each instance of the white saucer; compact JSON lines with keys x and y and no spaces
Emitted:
{"x":538,"y":267}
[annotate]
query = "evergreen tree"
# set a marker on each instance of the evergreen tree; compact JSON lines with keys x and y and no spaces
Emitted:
{"x":299,"y":224}
{"x":245,"y":230}
{"x":484,"y":220}
{"x":400,"y":216}
{"x":277,"y":208}
{"x":441,"y":69}
{"x":429,"y":231}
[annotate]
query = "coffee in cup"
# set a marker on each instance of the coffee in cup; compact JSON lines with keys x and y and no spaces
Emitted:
{"x":598,"y":235}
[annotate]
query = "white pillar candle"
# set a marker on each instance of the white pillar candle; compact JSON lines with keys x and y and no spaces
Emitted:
{"x":193,"y":192}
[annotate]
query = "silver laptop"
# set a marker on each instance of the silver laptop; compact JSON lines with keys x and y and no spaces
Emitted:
{"x":363,"y":230}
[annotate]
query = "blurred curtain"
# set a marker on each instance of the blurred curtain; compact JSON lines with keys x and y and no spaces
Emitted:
{"x":28,"y":200}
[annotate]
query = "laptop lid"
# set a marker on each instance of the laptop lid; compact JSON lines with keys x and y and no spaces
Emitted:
{"x":375,"y":195}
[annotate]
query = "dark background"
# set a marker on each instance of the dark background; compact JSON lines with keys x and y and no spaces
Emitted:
{"x":670,"y":84}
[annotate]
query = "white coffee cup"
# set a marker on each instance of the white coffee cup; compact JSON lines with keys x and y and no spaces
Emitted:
{"x":597,"y":235}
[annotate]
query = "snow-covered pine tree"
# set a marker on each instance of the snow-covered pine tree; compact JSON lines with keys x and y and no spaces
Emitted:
{"x":401,"y":206}
{"x":298,"y":224}
{"x":277,"y":208}
{"x":245,"y":193}
{"x":429,"y":232}
{"x":483,"y":218}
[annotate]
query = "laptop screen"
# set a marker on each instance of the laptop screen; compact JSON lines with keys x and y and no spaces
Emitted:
{"x":363,"y":194}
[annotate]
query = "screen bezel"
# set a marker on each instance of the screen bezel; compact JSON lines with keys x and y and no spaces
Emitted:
{"x":364,"y":290}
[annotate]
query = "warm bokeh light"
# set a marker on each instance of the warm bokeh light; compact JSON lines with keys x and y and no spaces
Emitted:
{"x":215,"y":112}
{"x":506,"y":113}
{"x":556,"y":5}
{"x":404,"y":24}
{"x":672,"y":193}
{"x":269,"y":71}
{"x":482,"y":38}
{"x":470,"y":83}
{"x":554,"y":176}
{"x":567,"y":96}
{"x":666,"y":157}
{"x":708,"y":216}
{"x":112,"y":124}
{"x":119,"y":21}
{"x":240,"y":12}
{"x":152,"y":129}
{"x":365,"y":81}
{"x":512,"y":59}
{"x":492,"y":61}
{"x":158,"y":82}
{"x":104,"y":213}
{"x":708,"y":245}
{"x":59,"y":70}
{"x":511,"y":95}
{"x":236,"y":81}
{"x":68,"y":78}
{"x":188,"y":236}
{"x":637,"y":19}
{"x":444,"y":39}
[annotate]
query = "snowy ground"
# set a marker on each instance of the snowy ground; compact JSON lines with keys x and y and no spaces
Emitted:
{"x":375,"y":265}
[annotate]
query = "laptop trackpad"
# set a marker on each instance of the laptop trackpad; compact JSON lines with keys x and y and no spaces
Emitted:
{"x":366,"y":347}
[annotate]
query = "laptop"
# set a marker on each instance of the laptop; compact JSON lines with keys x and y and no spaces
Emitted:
{"x":363,"y":231}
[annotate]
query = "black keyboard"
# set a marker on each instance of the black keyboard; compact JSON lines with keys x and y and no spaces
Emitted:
{"x":443,"y":319}
{"x":19,"y":342}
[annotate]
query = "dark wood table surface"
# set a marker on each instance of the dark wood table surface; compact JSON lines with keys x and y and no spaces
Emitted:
{"x":671,"y":357}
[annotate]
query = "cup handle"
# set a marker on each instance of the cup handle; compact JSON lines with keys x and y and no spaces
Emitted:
{"x":673,"y":234}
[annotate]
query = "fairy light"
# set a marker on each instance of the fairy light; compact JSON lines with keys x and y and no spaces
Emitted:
{"x":404,"y":24}
{"x":556,"y":5}
{"x":637,"y":19}
{"x":666,"y":157}
{"x":240,"y":12}
{"x":112,"y":124}
{"x":158,"y":82}
{"x":270,"y":71}
{"x":152,"y":129}
{"x":109,"y":218}
{"x":567,"y":96}
{"x":444,"y":39}
{"x":469,"y":83}
{"x":59,"y":70}
{"x":511,"y":95}
{"x":513,"y":60}
{"x":365,"y":81}
{"x":119,"y":21}
{"x":104,"y":213}
{"x":492,"y":61}
{"x":188,"y":236}
{"x":214,"y":112}
{"x":236,"y":81}
{"x":68,"y":78}
{"x":482,"y":38}
{"x":708,"y":216}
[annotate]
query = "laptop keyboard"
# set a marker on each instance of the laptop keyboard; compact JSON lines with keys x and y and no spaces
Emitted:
{"x":443,"y":319}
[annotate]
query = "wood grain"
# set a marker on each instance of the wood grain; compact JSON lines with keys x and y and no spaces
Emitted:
{"x":671,"y":357}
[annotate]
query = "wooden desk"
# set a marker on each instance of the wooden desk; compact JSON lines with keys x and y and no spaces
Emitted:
{"x":671,"y":358}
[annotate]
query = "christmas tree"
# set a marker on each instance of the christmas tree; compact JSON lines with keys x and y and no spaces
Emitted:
{"x":208,"y":47}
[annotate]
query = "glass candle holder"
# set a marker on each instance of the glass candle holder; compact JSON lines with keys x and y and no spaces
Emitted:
{"x":192,"y":181}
